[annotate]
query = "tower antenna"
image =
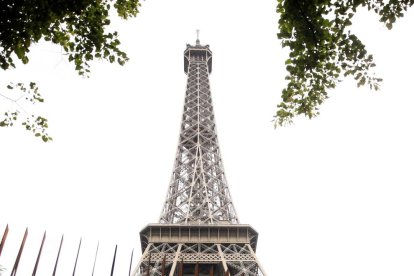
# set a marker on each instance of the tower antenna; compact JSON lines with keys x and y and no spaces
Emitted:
{"x":198,"y":40}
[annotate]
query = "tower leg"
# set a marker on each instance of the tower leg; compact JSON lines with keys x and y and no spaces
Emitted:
{"x":257,"y":260}
{"x":223,"y":259}
{"x":177,"y":254}
{"x":135,"y":272}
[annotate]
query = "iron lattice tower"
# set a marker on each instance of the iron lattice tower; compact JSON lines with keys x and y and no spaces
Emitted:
{"x":198,"y":232}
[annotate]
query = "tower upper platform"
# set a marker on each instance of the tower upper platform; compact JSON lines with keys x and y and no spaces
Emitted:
{"x":198,"y":52}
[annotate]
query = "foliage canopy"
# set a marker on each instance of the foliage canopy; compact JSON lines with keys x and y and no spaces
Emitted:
{"x":323,"y":49}
{"x":79,"y":26}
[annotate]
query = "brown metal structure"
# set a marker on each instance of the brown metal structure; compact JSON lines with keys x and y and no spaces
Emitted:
{"x":38,"y":255}
{"x":113,"y":261}
{"x":57,"y":257}
{"x":94,"y":261}
{"x":3,"y":239}
{"x":77,"y":256}
{"x":19,"y":255}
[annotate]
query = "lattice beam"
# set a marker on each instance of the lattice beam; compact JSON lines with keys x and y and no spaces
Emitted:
{"x":198,"y":191}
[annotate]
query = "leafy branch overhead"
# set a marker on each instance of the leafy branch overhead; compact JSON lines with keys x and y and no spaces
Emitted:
{"x":323,"y":49}
{"x":33,"y":123}
{"x":79,"y":26}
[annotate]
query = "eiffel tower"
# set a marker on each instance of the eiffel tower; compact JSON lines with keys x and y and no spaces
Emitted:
{"x":198,"y":231}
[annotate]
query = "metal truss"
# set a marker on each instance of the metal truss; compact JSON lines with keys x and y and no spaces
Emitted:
{"x":172,"y":259}
{"x":198,"y":191}
{"x":198,"y":231}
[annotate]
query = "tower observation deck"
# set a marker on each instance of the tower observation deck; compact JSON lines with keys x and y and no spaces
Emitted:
{"x":198,"y":232}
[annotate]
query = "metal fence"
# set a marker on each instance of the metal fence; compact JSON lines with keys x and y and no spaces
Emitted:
{"x":53,"y":262}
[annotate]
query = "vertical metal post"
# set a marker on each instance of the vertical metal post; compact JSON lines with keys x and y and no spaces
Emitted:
{"x":196,"y":272}
{"x":38,"y":255}
{"x":57,"y":258}
{"x":77,"y":255}
{"x":130,"y":263}
{"x":94,"y":262}
{"x":113,"y":261}
{"x":163,"y":265}
{"x":3,"y":239}
{"x":211,"y":270}
{"x":16,"y":263}
{"x":181,"y":268}
{"x":149,"y":265}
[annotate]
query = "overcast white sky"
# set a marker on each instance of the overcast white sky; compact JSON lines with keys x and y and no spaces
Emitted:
{"x":330,"y":196}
